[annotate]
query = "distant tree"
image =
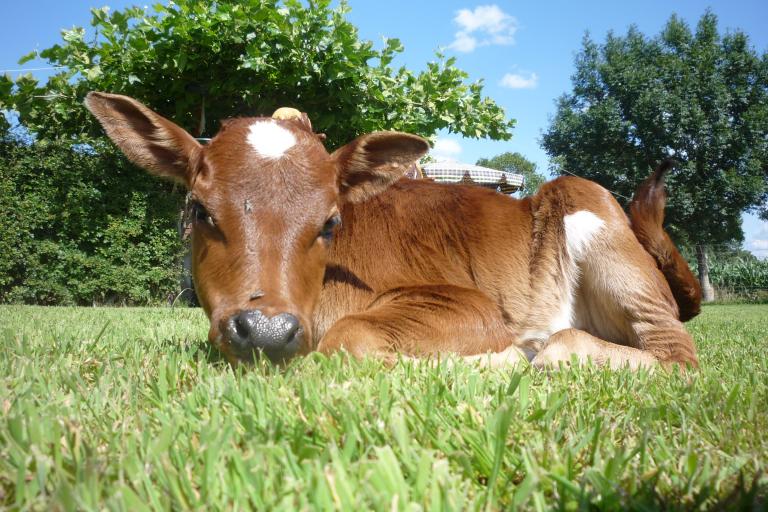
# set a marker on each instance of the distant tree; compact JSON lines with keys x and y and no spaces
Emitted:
{"x":517,"y":163}
{"x":699,"y":97}
{"x":6,"y":85}
{"x":199,"y":62}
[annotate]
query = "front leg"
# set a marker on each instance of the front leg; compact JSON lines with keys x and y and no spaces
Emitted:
{"x":359,"y":337}
{"x":424,"y":321}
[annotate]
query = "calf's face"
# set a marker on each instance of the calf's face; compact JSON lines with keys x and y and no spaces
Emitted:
{"x":264,"y":201}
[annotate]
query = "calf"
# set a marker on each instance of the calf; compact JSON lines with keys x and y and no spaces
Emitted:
{"x":296,"y":250}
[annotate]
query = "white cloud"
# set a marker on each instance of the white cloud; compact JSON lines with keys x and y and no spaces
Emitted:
{"x":464,"y":43}
{"x":483,"y":26}
{"x":484,"y":17}
{"x":520,"y":81}
{"x":759,"y":245}
{"x":446,"y":150}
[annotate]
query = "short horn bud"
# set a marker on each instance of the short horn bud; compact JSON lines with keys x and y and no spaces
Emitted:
{"x":288,"y":113}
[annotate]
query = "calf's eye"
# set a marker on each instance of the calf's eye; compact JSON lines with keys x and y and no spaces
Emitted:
{"x":200,"y":214}
{"x":330,"y":226}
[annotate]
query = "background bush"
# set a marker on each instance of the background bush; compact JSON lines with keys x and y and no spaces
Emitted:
{"x":80,"y":225}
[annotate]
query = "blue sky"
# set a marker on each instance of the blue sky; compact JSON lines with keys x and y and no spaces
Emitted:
{"x":522,"y":50}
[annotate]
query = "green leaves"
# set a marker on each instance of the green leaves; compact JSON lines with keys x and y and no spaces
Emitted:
{"x":28,"y":57}
{"x":83,"y":228}
{"x":248,"y":58}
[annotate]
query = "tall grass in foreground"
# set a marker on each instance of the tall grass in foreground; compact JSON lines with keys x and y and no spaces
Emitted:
{"x":128,"y":409}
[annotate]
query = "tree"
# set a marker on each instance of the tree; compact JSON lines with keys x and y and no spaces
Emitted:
{"x":517,"y":163}
{"x":699,"y":97}
{"x":197,"y":61}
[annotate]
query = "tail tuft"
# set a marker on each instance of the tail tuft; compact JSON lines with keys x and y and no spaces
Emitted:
{"x":646,"y":212}
{"x":661,"y":171}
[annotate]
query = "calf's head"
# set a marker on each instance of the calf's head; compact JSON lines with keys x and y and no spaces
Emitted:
{"x":265,"y":198}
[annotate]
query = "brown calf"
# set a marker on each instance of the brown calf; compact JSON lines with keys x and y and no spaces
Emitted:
{"x":296,"y":250}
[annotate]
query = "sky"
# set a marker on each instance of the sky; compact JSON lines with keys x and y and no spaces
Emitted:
{"x":523,"y":51}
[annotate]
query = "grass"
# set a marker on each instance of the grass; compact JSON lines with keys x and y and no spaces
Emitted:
{"x":128,"y":409}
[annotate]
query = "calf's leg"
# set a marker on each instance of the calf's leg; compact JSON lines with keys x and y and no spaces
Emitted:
{"x":422,"y":321}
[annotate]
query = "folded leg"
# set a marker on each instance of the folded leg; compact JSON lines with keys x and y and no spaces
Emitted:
{"x":423,"y":321}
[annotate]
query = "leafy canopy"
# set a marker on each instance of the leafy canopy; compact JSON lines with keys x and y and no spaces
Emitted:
{"x":517,"y":163}
{"x":697,"y":96}
{"x":248,"y":58}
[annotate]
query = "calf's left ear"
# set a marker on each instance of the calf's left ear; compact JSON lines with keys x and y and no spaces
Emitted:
{"x":371,"y":163}
{"x":147,"y":139}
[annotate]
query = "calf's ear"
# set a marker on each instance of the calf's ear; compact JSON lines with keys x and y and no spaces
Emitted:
{"x":147,"y":139}
{"x":371,"y":163}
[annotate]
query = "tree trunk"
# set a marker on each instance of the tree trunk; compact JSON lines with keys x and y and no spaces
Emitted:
{"x":707,"y":291}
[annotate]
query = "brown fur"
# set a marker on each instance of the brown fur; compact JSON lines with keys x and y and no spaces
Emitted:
{"x":417,"y":268}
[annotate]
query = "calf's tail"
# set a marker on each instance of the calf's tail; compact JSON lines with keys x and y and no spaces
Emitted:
{"x":646,"y":213}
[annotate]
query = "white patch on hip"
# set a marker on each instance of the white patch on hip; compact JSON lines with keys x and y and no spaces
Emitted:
{"x":270,"y":139}
{"x":580,"y":229}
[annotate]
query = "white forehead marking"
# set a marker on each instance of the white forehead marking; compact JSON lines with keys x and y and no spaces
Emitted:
{"x":580,"y":229}
{"x":270,"y":139}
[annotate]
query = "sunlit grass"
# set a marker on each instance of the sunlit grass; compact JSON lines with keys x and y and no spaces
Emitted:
{"x":129,"y":409}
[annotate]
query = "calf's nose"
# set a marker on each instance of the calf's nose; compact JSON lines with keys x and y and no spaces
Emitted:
{"x":278,"y":336}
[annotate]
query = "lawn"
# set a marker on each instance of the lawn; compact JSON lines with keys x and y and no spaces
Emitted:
{"x":128,"y":409}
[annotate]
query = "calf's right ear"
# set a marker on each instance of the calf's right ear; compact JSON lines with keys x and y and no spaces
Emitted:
{"x":371,"y":163}
{"x":147,"y":139}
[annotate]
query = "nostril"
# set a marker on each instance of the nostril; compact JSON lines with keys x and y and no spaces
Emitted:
{"x":243,"y":326}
